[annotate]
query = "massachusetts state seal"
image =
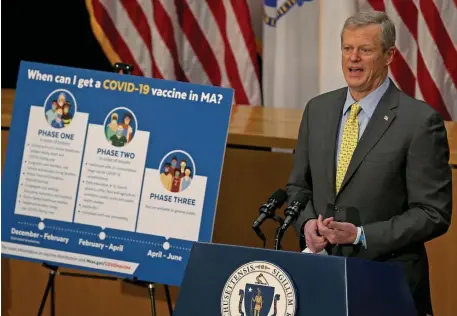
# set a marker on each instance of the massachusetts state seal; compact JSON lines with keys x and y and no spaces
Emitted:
{"x":258,"y":288}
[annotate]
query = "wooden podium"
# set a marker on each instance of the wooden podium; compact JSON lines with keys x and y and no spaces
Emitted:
{"x":258,"y":160}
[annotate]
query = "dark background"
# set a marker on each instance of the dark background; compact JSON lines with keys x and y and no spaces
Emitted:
{"x":51,"y":31}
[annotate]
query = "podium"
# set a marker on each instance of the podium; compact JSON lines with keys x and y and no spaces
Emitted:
{"x":232,"y":280}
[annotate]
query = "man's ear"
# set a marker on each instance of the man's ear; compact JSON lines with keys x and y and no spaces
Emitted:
{"x":390,"y":53}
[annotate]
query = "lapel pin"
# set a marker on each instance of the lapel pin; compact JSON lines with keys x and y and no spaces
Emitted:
{"x":386,"y":117}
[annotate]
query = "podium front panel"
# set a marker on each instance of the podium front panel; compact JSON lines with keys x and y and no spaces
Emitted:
{"x":319,"y":281}
{"x":379,"y":288}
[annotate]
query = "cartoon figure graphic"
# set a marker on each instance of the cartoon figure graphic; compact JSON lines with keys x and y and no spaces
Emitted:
{"x":174,"y":162}
{"x":118,"y":139}
{"x":51,"y":113}
{"x":186,"y":179}
{"x":176,"y":182}
{"x":128,"y":131}
{"x":60,"y":108}
{"x":58,"y":121}
{"x":180,"y":166}
{"x":166,"y":177}
{"x":61,"y":99}
{"x":183,"y":165}
{"x":66,"y":117}
{"x":111,"y":128}
{"x":124,"y":118}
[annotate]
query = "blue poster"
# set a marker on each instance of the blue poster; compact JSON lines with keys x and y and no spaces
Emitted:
{"x":112,"y":173}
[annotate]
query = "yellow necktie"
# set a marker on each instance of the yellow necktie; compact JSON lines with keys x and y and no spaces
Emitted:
{"x":348,"y":144}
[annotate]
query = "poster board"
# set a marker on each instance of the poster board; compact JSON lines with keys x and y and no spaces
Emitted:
{"x":112,"y":173}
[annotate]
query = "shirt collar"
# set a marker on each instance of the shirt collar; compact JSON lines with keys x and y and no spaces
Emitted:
{"x":368,"y":103}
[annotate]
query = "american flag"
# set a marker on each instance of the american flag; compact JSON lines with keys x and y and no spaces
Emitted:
{"x":199,"y":41}
{"x":212,"y":42}
{"x":425,"y":66}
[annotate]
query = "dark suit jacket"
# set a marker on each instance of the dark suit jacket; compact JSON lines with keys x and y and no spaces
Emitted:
{"x":398,"y":182}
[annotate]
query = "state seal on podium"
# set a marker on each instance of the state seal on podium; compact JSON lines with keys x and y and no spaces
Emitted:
{"x":258,"y":288}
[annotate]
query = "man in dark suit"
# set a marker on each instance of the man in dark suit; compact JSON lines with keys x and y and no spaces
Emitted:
{"x":374,"y":163}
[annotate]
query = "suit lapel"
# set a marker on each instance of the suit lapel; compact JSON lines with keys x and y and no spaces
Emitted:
{"x":383,"y":116}
{"x":333,"y":123}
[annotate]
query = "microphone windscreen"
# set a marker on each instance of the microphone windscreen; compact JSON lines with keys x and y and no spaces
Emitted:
{"x":280,"y":196}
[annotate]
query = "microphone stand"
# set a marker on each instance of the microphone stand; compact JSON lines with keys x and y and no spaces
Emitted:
{"x":278,"y":237}
{"x":259,"y":232}
{"x":267,"y":211}
{"x":291,"y":213}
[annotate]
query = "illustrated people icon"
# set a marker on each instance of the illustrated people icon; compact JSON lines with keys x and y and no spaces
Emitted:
{"x":176,"y":182}
{"x":186,"y":179}
{"x":111,"y":128}
{"x":128,"y":131}
{"x":118,"y":139}
{"x":174,"y":162}
{"x":166,"y":177}
{"x":60,"y":109}
{"x":61,"y":99}
{"x":51,"y":113}
{"x":258,"y":302}
{"x":66,"y":117}
{"x":58,"y":121}
{"x":117,"y":119}
{"x":177,"y":171}
{"x":182,"y":166}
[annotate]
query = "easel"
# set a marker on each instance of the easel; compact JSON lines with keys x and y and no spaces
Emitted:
{"x":50,"y":286}
{"x":53,"y":270}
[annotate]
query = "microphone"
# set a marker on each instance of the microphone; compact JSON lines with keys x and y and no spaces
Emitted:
{"x":267,"y":210}
{"x":294,"y":209}
{"x":291,"y":212}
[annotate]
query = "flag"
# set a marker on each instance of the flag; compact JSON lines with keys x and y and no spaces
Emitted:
{"x":302,"y":57}
{"x":332,"y":15}
{"x":290,"y":53}
{"x":425,"y":66}
{"x":204,"y":42}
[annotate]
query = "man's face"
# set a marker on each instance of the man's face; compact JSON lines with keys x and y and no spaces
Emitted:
{"x":363,"y":61}
{"x":127,"y":120}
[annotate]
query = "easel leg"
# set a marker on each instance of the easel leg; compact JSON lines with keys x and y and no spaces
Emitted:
{"x":49,"y":287}
{"x":151,"y":289}
{"x":53,"y":295}
{"x":167,"y":294}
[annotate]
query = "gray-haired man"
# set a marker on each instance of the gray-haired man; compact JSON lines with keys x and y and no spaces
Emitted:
{"x":374,"y":163}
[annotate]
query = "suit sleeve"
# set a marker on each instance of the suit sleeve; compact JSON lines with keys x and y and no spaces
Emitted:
{"x":300,"y":177}
{"x":429,"y":189}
